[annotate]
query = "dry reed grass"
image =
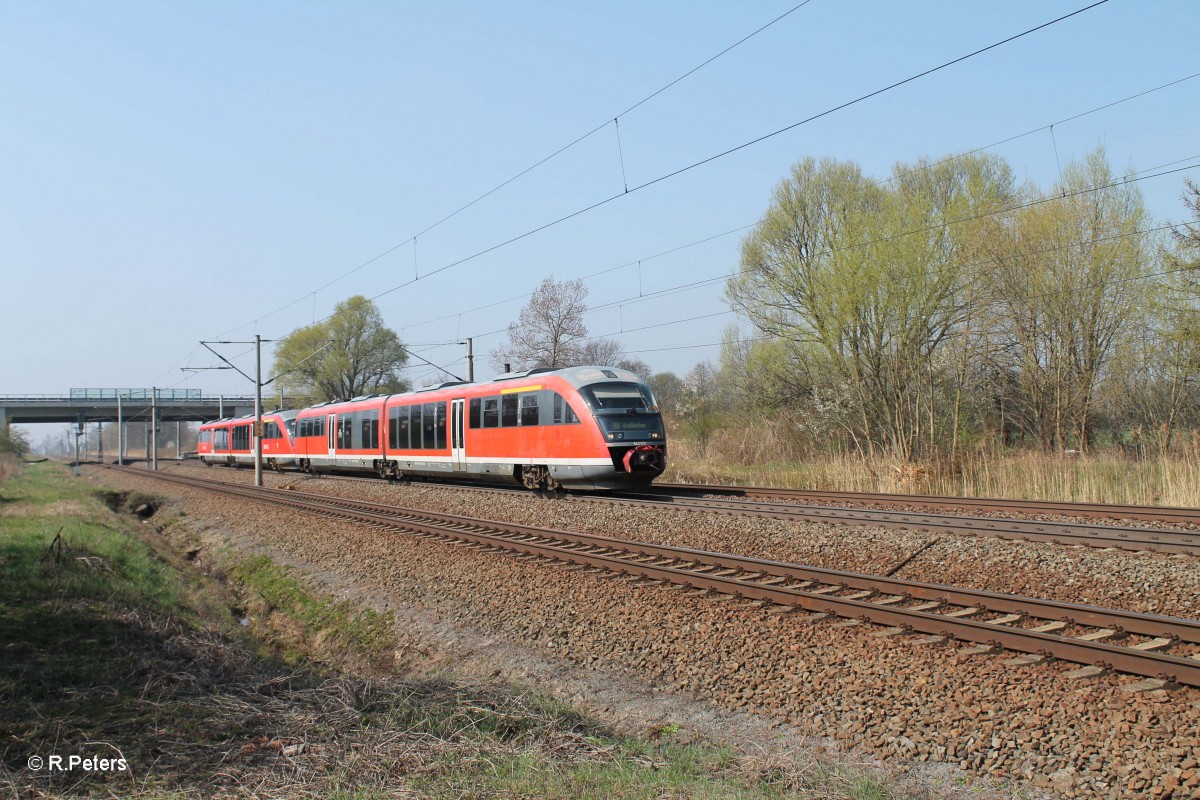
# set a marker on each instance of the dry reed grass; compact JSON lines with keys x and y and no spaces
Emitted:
{"x":1104,"y":477}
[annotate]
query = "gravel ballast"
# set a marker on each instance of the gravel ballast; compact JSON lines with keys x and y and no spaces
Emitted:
{"x":896,"y":699}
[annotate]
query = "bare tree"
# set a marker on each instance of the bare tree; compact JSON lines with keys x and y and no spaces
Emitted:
{"x":549,"y":331}
{"x":601,"y":352}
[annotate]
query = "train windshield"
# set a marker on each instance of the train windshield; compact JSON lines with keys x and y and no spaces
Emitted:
{"x":619,"y":397}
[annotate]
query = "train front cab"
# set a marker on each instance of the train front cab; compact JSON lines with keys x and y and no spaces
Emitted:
{"x":584,"y":428}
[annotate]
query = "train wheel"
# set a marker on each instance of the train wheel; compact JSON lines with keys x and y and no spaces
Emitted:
{"x":533,"y":477}
{"x":538,"y":479}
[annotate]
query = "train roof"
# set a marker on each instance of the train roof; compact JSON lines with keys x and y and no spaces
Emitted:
{"x":577,"y":377}
{"x":285,"y":415}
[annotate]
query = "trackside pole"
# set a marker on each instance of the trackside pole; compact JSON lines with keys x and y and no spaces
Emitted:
{"x":258,"y":426}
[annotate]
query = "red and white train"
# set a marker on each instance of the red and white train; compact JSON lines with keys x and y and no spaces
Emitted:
{"x":580,"y":428}
{"x":228,"y":441}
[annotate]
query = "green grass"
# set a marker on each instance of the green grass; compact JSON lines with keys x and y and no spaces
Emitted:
{"x":343,"y":627}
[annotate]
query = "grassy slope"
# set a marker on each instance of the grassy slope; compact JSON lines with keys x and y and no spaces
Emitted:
{"x":114,"y":645}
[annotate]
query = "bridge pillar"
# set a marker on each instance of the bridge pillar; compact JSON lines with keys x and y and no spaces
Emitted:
{"x":120,"y":432}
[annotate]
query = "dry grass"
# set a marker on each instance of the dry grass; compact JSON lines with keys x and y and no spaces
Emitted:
{"x":9,"y":466}
{"x":1103,"y":478}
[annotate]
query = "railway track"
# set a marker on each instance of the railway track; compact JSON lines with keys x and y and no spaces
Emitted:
{"x":1170,"y":514}
{"x":1101,"y":639}
{"x":1122,"y":537}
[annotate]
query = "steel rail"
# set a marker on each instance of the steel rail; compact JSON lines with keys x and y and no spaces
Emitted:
{"x":871,"y":598}
{"x":1157,"y":540}
{"x":1172,"y":514}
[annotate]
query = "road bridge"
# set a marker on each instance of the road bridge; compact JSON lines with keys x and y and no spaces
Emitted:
{"x":124,"y":405}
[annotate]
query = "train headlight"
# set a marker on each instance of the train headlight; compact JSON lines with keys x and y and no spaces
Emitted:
{"x":654,"y":435}
{"x":612,"y":436}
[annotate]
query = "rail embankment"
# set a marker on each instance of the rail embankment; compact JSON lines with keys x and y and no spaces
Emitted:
{"x":153,"y":665}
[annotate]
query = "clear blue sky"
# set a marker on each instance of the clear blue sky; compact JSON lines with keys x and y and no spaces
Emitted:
{"x":173,"y":171}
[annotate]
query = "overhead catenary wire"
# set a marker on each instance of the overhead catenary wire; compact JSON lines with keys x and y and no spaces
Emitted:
{"x":738,"y":148}
{"x":968,"y":306}
{"x":1128,"y":179}
{"x":613,"y":120}
{"x":829,"y":251}
{"x":732,"y":150}
{"x":748,"y":226}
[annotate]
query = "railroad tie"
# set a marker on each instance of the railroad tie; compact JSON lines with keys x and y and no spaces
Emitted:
{"x":1087,"y":673}
{"x":888,"y":633}
{"x":1149,"y":685}
{"x":963,"y":612}
{"x":1007,"y":619}
{"x":928,"y":606}
{"x":1101,"y":635}
{"x":1029,"y":659}
{"x":931,"y":640}
{"x":1050,"y":627}
{"x":1153,"y":645}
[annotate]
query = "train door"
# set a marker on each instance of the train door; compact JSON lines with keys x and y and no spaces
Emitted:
{"x":458,"y":456}
{"x":331,"y":434}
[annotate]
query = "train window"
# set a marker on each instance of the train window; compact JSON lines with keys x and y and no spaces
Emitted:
{"x":320,"y":426}
{"x":563,"y":413}
{"x":416,"y":427}
{"x":439,"y":428}
{"x":370,"y":429}
{"x":291,"y":428}
{"x":491,"y":412}
{"x":203,"y":437}
{"x":428,"y":424}
{"x":529,"y":408}
{"x":476,"y":412}
{"x":508,"y":411}
{"x":619,"y":396}
{"x":271,"y":431}
{"x":394,"y":428}
{"x":345,"y":432}
{"x":405,"y":444}
{"x":241,"y":437}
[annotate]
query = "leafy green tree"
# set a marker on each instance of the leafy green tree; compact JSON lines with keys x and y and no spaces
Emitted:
{"x":350,"y":354}
{"x":863,"y":283}
{"x":1067,"y":281}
